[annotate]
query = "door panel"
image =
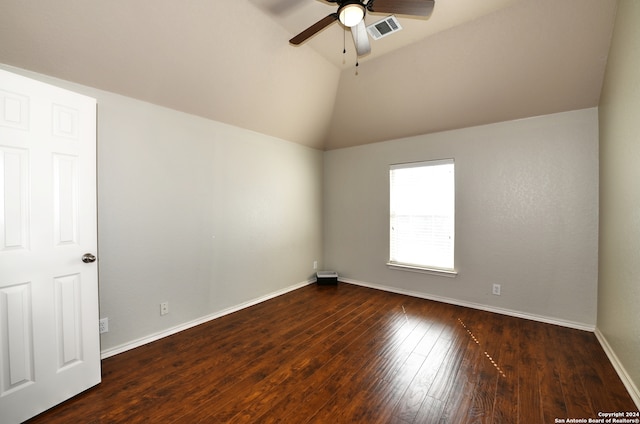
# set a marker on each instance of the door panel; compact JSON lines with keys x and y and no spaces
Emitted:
{"x":65,"y":192}
{"x":15,"y":304}
{"x":14,"y":231}
{"x":49,"y":341}
{"x":68,"y":319}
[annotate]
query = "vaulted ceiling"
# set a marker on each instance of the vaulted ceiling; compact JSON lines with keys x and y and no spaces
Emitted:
{"x":472,"y":62}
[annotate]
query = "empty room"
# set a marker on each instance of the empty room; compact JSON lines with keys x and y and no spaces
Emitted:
{"x":309,"y":211}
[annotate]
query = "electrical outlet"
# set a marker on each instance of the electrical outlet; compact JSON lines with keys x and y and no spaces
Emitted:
{"x":104,"y":325}
{"x":164,"y":308}
{"x":315,"y":264}
{"x":496,"y":289}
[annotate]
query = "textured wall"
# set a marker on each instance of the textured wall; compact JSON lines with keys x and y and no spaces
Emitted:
{"x":201,"y":214}
{"x":526,"y":214}
{"x":619,"y":281}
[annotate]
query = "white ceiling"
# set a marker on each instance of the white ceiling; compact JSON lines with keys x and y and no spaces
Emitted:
{"x":472,"y":62}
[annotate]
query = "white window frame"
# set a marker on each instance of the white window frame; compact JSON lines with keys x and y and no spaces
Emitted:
{"x":406,"y":261}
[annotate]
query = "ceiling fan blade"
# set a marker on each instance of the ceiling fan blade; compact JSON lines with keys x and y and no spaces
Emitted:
{"x":314,"y":29}
{"x":361,"y":39}
{"x":402,"y":7}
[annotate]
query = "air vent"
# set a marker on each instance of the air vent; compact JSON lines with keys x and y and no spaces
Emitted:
{"x":384,"y":27}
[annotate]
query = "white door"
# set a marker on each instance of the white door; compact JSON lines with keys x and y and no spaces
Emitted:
{"x":50,"y":347}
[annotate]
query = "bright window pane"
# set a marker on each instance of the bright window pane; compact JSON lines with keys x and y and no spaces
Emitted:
{"x":422,"y":218}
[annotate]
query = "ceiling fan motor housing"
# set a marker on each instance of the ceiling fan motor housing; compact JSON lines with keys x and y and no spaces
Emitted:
{"x":351,"y":12}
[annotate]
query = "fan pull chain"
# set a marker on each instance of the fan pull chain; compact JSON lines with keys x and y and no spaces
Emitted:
{"x":357,"y":62}
{"x":344,"y":45}
{"x":344,"y":49}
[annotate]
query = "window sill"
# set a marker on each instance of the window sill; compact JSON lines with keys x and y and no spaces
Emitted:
{"x":451,"y":273}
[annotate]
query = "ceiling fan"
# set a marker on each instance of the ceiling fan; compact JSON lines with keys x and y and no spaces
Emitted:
{"x":351,"y":14}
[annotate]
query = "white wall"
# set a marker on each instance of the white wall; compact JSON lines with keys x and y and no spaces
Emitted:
{"x":619,"y":267}
{"x":527,"y":215}
{"x":201,"y":214}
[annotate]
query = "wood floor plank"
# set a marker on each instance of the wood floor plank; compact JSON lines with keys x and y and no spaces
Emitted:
{"x":341,"y":364}
{"x":553,"y":400}
{"x":307,"y":358}
{"x":597,"y":373}
{"x":397,"y":374}
{"x":247,"y":373}
{"x":363,"y":374}
{"x":577,"y":402}
{"x":455,"y":407}
{"x":489,"y":369}
{"x":423,"y":378}
{"x":506,"y":402}
{"x":261,"y":377}
{"x":349,"y":354}
{"x":460,"y":400}
{"x":529,"y":394}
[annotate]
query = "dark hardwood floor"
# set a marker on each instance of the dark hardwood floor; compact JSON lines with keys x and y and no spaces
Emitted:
{"x":348,"y":354}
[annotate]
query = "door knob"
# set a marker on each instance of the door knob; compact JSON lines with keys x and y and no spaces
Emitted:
{"x":88,"y":258}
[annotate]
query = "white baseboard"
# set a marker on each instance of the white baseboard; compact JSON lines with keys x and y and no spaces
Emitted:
{"x":173,"y":330}
{"x":633,"y":390}
{"x":509,"y":312}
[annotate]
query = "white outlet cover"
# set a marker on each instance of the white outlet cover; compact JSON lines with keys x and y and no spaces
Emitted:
{"x":104,"y":325}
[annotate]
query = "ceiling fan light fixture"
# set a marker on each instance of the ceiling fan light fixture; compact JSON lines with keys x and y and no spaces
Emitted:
{"x":351,"y":13}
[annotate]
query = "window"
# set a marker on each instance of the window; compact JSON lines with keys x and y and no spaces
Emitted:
{"x":422,"y":215}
